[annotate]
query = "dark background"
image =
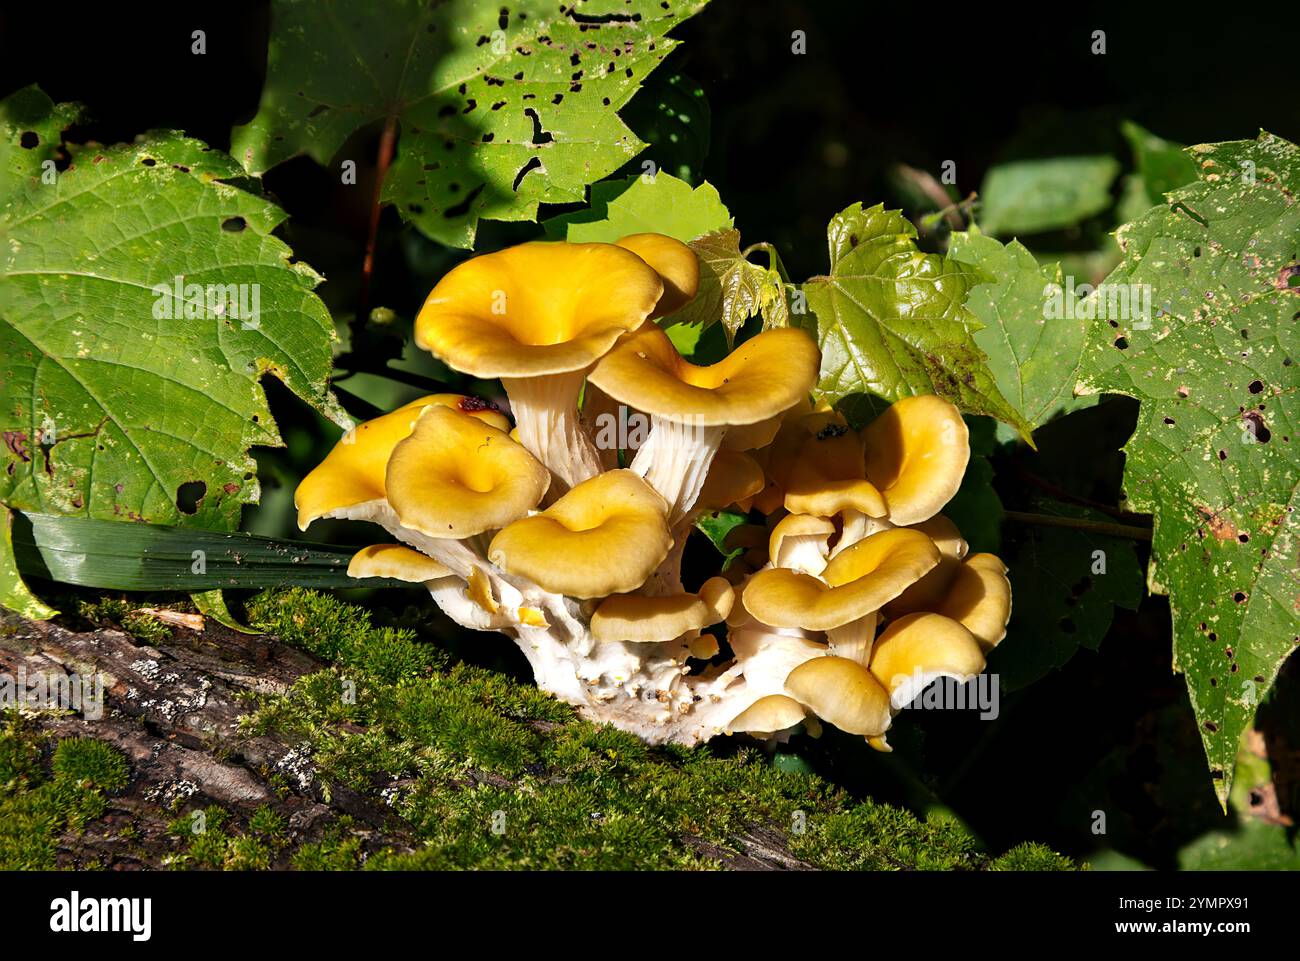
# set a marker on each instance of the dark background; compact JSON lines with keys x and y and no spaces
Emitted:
{"x":794,"y":140}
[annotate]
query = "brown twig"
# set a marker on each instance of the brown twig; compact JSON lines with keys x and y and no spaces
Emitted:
{"x":1080,"y":524}
{"x":1061,"y":494}
{"x":386,"y":144}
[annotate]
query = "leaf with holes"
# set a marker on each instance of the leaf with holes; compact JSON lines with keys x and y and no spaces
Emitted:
{"x":142,"y":298}
{"x":500,"y":106}
{"x":1214,"y":454}
{"x":891,"y":319}
{"x":1031,"y":339}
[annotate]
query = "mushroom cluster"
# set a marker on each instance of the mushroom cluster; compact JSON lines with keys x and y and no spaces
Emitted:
{"x":852,"y":592}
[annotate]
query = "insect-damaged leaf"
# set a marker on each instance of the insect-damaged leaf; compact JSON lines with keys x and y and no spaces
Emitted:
{"x":1214,"y":455}
{"x":891,"y":319}
{"x":499,"y":107}
{"x":142,"y":297}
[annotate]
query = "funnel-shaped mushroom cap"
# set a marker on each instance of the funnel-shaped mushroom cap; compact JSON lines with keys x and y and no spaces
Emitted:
{"x":800,"y":542}
{"x":456,"y":477}
{"x":858,"y":581}
{"x":928,"y":593}
{"x":396,"y":562}
{"x":605,"y":536}
{"x":733,"y":477}
{"x":979,"y":597}
{"x":762,"y":377}
{"x":353,"y":472}
{"x":916,"y":453}
{"x":768,"y":715}
{"x":778,"y":458}
{"x":917,"y":648}
{"x":634,"y":617}
{"x":676,"y":265}
{"x":842,"y":692}
{"x":538,"y":308}
{"x":829,"y":476}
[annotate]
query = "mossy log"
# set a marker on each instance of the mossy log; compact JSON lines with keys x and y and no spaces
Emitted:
{"x":329,"y":743}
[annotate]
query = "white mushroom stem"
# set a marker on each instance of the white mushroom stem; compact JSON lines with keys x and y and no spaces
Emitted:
{"x":855,"y":527}
{"x":549,"y":424}
{"x":675,"y":460}
{"x":854,"y":640}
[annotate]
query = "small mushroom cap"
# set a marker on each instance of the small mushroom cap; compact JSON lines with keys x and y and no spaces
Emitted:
{"x":605,"y":536}
{"x":456,"y":477}
{"x":979,"y":598}
{"x":829,"y":476}
{"x":397,"y":562}
{"x":768,"y":715}
{"x":353,"y":473}
{"x":928,"y":593}
{"x":917,"y":648}
{"x":537,"y":308}
{"x":916,"y":454}
{"x":676,"y":265}
{"x":733,"y":477}
{"x":635,"y":617}
{"x":858,"y":581}
{"x":719,"y":596}
{"x":805,"y":527}
{"x":765,"y":375}
{"x":842,"y":692}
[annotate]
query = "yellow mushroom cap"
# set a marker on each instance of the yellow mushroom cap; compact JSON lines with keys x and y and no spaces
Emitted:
{"x":842,"y":692}
{"x":858,"y":581}
{"x":537,"y":308}
{"x":638,"y":617}
{"x":808,"y":539}
{"x":768,"y":715}
{"x":829,"y":476}
{"x":928,"y":593}
{"x":605,"y":536}
{"x":762,"y":377}
{"x":353,"y":473}
{"x":674,"y":262}
{"x":456,"y":477}
{"x":979,"y":598}
{"x":398,"y":562}
{"x":916,"y":454}
{"x":916,"y":648}
{"x":733,"y":477}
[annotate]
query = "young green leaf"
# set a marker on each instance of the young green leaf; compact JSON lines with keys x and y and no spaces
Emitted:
{"x":1213,"y":456}
{"x":1031,"y":335}
{"x":1161,"y":165}
{"x":142,"y":298}
{"x":500,"y":108}
{"x":662,"y":205}
{"x":891,"y":319}
{"x":1029,"y":196}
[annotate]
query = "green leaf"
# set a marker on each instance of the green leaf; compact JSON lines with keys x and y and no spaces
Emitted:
{"x":716,"y":527}
{"x":14,"y":594}
{"x":733,"y":288}
{"x":662,"y":204}
{"x":1213,"y":455}
{"x":109,"y":407}
{"x":213,"y":604}
{"x":500,"y":107}
{"x":1161,"y":165}
{"x":1029,"y":196}
{"x":156,"y":557}
{"x":1065,"y":594}
{"x":891,"y":322}
{"x":1032,"y":350}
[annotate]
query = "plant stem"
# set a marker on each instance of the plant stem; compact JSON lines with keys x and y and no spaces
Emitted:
{"x":1080,"y":524}
{"x":386,"y":143}
{"x":1061,"y":494}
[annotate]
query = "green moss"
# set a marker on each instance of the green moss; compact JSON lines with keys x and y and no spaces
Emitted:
{"x":37,"y":804}
{"x":116,"y":612}
{"x":1031,"y":856}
